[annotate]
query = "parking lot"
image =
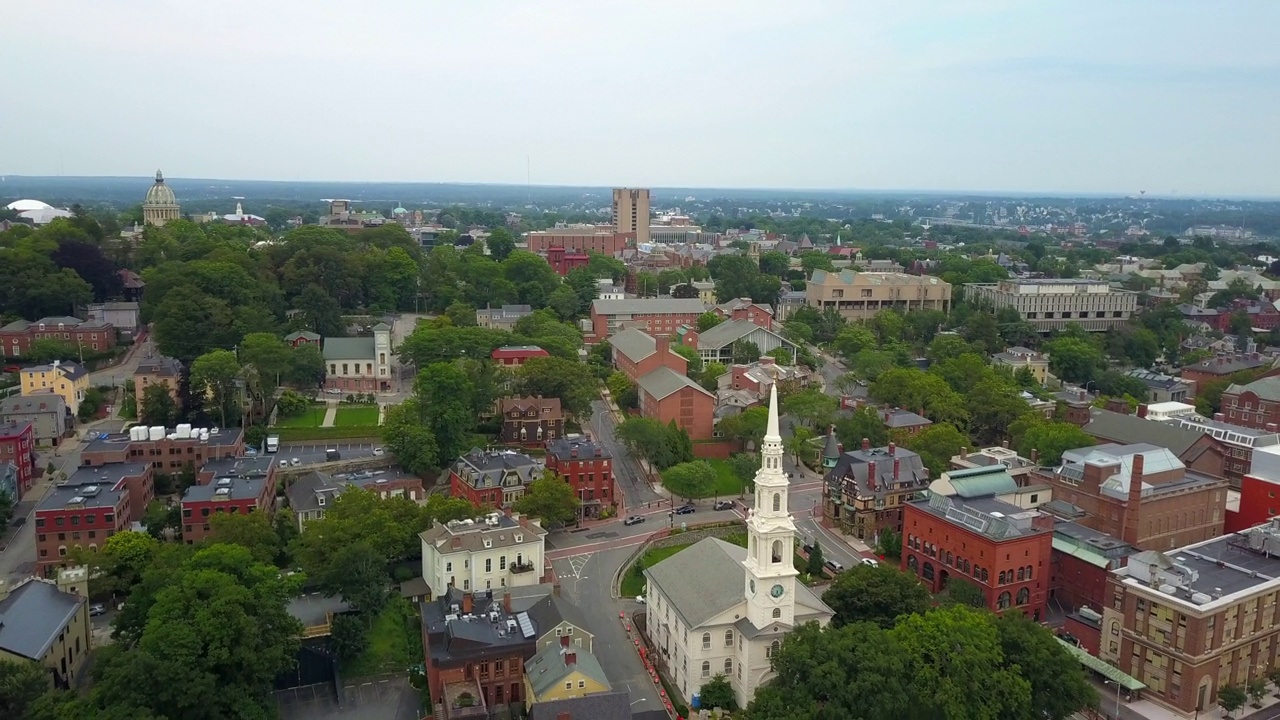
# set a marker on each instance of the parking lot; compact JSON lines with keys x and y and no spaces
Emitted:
{"x":372,"y":699}
{"x":310,"y":452}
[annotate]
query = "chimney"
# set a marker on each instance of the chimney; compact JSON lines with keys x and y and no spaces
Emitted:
{"x":1035,"y":456}
{"x":662,"y":345}
{"x":897,"y":462}
{"x":893,"y":448}
{"x":964,"y":452}
{"x":1135,"y":484}
{"x":1219,"y":417}
{"x":599,"y":452}
{"x":866,"y":444}
{"x":871,"y":474}
{"x":466,"y":604}
{"x":570,"y":658}
{"x":564,"y":641}
{"x":1005,"y":444}
{"x":1142,"y":410}
{"x":506,"y":603}
{"x":564,"y":715}
{"x":573,"y":452}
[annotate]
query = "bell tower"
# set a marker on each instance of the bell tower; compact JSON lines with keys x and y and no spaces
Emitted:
{"x":770,"y":577}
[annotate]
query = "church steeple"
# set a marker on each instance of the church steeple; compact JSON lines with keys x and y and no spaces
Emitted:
{"x":770,"y":577}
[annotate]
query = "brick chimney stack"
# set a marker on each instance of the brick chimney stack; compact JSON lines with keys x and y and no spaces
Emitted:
{"x":1132,"y":516}
{"x":1142,"y":410}
{"x":564,"y":641}
{"x":897,"y":463}
{"x":866,"y":444}
{"x":466,"y":604}
{"x":964,"y":452}
{"x":893,"y":448}
{"x":662,"y":345}
{"x":506,"y":603}
{"x":1035,"y":456}
{"x":570,"y":658}
{"x":871,"y":474}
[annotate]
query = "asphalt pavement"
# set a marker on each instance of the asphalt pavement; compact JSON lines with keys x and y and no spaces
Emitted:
{"x":310,"y":452}
{"x":626,"y":471}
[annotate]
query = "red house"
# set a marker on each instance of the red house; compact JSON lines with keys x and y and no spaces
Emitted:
{"x":18,"y":447}
{"x":1000,"y":547}
{"x":517,"y":355}
{"x":93,"y":505}
{"x":225,"y":495}
{"x":588,"y":468}
{"x":667,"y":396}
{"x":302,"y":337}
{"x":1083,"y":558}
{"x":637,"y":353}
{"x":492,"y":478}
{"x":1259,"y":502}
{"x":89,"y":336}
{"x":745,"y":309}
{"x":563,"y":260}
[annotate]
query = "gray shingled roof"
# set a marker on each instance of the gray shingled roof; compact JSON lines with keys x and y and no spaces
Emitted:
{"x":597,"y":706}
{"x":717,"y":567}
{"x":1129,"y":429}
{"x":552,"y":610}
{"x":648,"y":306}
{"x":33,"y":616}
{"x":664,"y":381}
{"x":634,"y":343}
{"x":1267,"y":388}
{"x":726,"y":333}
{"x":547,"y":669}
{"x":359,"y":348}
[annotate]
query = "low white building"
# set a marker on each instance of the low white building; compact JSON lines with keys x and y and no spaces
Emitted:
{"x":489,"y":552}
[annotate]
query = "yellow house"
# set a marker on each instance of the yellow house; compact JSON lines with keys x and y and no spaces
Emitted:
{"x":1019,"y":357}
{"x":48,"y":623}
{"x":561,"y":671}
{"x":66,"y":379}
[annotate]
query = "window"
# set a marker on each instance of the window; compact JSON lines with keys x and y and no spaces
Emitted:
{"x":706,"y":641}
{"x":777,"y":551}
{"x":777,"y":502}
{"x":728,"y":638}
{"x":1024,"y":596}
{"x":777,"y":613}
{"x":706,"y":668}
{"x":582,"y":684}
{"x":728,"y":666}
{"x":488,"y":564}
{"x":1003,"y":601}
{"x":772,"y":649}
{"x":502,"y":562}
{"x":448,"y":567}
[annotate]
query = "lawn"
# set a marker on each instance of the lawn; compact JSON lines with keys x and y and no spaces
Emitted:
{"x":356,"y":415}
{"x":395,"y":642}
{"x":727,"y":484}
{"x":633,"y":581}
{"x":309,"y":419}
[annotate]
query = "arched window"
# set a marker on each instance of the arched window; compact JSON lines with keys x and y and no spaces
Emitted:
{"x":728,"y":666}
{"x":706,"y":641}
{"x":1024,"y":596}
{"x":777,"y":502}
{"x":950,"y":557}
{"x":984,"y":574}
{"x":928,"y":571}
{"x":1003,"y":601}
{"x":1022,"y":574}
{"x":1028,"y":572}
{"x":728,"y":638}
{"x":777,"y":551}
{"x":777,"y":613}
{"x":967,"y":566}
{"x":706,"y":668}
{"x":912,"y":564}
{"x":1000,"y":579}
{"x":772,"y":649}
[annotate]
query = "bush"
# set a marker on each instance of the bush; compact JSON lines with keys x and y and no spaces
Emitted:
{"x":349,"y":636}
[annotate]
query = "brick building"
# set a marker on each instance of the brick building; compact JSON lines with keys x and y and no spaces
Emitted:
{"x":1259,"y":497}
{"x":1192,"y":619}
{"x":530,"y":421}
{"x":94,"y":504}
{"x":666,"y":396}
{"x":563,"y":260}
{"x":985,"y":536}
{"x":493,"y":478}
{"x":299,"y":338}
{"x":1140,"y":493}
{"x":1198,"y":451}
{"x":745,"y":309}
{"x":1253,"y":405}
{"x":96,"y":337}
{"x":588,"y":467}
{"x":864,"y":493}
{"x":243,"y":495}
{"x":159,"y":370}
{"x":17,"y":446}
{"x":1239,"y":443}
{"x":1216,"y":368}
{"x":166,"y":451}
{"x":1083,"y":559}
{"x":636,"y":353}
{"x":517,"y":355}
{"x":656,"y":316}
{"x":591,"y":238}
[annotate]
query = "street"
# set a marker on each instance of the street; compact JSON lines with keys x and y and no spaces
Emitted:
{"x":625,"y":469}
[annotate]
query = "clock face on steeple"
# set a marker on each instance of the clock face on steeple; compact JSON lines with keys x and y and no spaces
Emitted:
{"x":753,"y":586}
{"x":777,"y":591}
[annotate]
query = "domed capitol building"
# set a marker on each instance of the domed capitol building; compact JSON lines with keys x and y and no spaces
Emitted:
{"x":160,"y":205}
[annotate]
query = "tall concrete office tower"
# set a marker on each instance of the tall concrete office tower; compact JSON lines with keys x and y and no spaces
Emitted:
{"x":631,"y":212}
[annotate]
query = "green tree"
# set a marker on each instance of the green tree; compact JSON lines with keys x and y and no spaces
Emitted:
{"x":747,"y":426}
{"x":460,"y":314}
{"x":292,"y":403}
{"x":565,"y":302}
{"x":1059,"y":688}
{"x":1051,"y":439}
{"x":306,"y":366}
{"x":1075,"y":359}
{"x":811,"y":408}
{"x":46,"y":350}
{"x":982,"y":330}
{"x":215,"y":373}
{"x":745,"y":352}
{"x":710,"y":375}
{"x":358,"y":574}
{"x":862,"y":423}
{"x":252,"y":531}
{"x":1257,"y":689}
{"x":889,"y":544}
{"x":962,"y":592}
{"x":717,"y":693}
{"x":6,"y":508}
{"x":320,"y":312}
{"x":800,"y":444}
{"x":1232,"y":698}
{"x":708,"y":320}
{"x":21,"y":683}
{"x":270,"y":355}
{"x":443,"y":508}
{"x":559,"y":378}
{"x":407,"y":436}
{"x":500,"y":243}
{"x":690,"y":480}
{"x":645,"y":439}
{"x":551,"y":498}
{"x":814,"y":566}
{"x":852,"y":340}
{"x":349,"y":635}
{"x":388,"y":526}
{"x":744,"y":467}
{"x":691,"y":356}
{"x":443,"y":394}
{"x":158,"y":406}
{"x":875,"y":593}
{"x":189,"y":323}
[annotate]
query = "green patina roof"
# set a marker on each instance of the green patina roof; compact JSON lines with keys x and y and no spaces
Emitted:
{"x":1098,"y":665}
{"x":981,"y":482}
{"x":1085,"y":554}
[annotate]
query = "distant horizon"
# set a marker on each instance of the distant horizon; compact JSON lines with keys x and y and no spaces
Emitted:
{"x":886,"y":192}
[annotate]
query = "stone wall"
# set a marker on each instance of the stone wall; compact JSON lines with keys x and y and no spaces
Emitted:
{"x":666,"y":538}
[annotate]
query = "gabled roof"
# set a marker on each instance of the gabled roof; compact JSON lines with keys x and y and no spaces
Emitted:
{"x":548,"y":668}
{"x":596,"y":706}
{"x":33,"y":616}
{"x":1267,"y":388}
{"x":716,"y":564}
{"x":665,"y":381}
{"x":731,"y":331}
{"x":357,"y":348}
{"x":69,"y":370}
{"x":552,"y":610}
{"x":302,"y":335}
{"x":648,"y":306}
{"x":634,"y":343}
{"x":1129,"y":429}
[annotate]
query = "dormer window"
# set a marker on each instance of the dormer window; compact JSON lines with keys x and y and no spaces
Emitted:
{"x":519,"y":538}
{"x":488,"y":543}
{"x":320,"y":500}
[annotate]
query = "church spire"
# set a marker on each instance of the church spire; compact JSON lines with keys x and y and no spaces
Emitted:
{"x":772,"y":433}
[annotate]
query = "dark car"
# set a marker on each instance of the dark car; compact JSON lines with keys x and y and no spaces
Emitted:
{"x":723,"y":505}
{"x":633,"y":520}
{"x":686,"y":510}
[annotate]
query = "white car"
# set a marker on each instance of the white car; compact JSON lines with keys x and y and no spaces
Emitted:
{"x":640,"y":599}
{"x":295,"y":462}
{"x":284,"y":463}
{"x":378,"y":452}
{"x":871,"y":561}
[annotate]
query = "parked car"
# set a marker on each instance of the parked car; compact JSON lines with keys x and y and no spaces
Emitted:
{"x":284,"y":463}
{"x":686,"y":510}
{"x":333,"y":391}
{"x":833,"y":567}
{"x":723,"y":505}
{"x":97,"y":609}
{"x":331,"y":454}
{"x":19,"y":521}
{"x":377,"y":452}
{"x":633,"y":520}
{"x":295,"y":462}
{"x":870,"y":561}
{"x":640,"y":599}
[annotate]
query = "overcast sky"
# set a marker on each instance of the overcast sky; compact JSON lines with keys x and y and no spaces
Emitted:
{"x":1077,"y":96}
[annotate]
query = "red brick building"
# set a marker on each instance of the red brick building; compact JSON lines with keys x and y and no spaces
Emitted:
{"x":167,"y":451}
{"x":530,"y":421}
{"x":1082,"y":560}
{"x":17,"y":446}
{"x":90,"y":336}
{"x":1001,"y":548}
{"x":1255,"y":405}
{"x":232,"y":495}
{"x":303,"y":337}
{"x":636,"y":353}
{"x":563,"y":260}
{"x":656,"y":316}
{"x":666,"y":396}
{"x":598,"y":238}
{"x":492,"y":478}
{"x":588,"y":468}
{"x":482,"y":661}
{"x":745,"y":309}
{"x":93,"y":505}
{"x":517,"y":355}
{"x":1219,"y":367}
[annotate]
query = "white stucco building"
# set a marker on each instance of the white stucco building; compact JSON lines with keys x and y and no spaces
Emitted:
{"x":490,"y":552}
{"x":716,"y":608}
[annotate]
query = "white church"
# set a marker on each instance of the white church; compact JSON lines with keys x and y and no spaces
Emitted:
{"x":716,"y":608}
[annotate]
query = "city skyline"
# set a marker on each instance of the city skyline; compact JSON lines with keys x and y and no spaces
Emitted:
{"x":973,"y":97}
